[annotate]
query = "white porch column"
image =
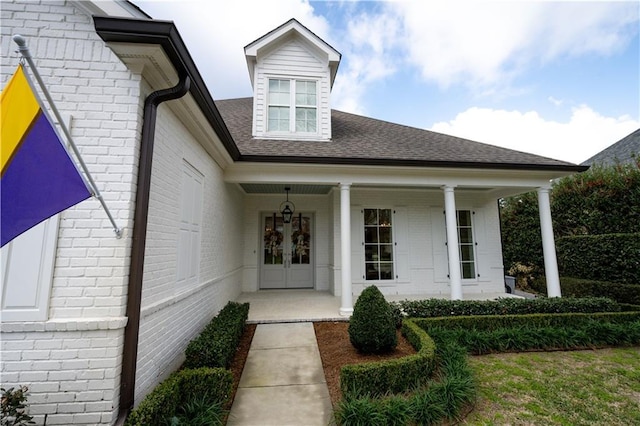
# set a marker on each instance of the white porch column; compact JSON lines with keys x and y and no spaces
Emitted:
{"x":346,"y":306}
{"x":455,"y":279}
{"x":548,"y":244}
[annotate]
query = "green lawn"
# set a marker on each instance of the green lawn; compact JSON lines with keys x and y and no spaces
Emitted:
{"x":596,"y":387}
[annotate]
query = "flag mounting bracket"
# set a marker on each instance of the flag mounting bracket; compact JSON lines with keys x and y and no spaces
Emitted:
{"x":23,"y":49}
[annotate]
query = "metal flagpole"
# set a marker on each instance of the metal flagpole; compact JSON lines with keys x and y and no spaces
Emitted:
{"x":24,"y":51}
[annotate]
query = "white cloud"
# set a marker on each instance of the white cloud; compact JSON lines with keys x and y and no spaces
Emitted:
{"x":556,"y":102}
{"x":586,"y":133}
{"x":216,"y":32}
{"x":486,"y":43}
{"x":370,"y":54}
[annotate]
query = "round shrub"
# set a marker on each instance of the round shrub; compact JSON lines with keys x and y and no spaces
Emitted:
{"x":371,"y":328}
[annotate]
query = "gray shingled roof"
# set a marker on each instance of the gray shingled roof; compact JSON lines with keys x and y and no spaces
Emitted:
{"x":362,"y":140}
{"x":620,"y":152}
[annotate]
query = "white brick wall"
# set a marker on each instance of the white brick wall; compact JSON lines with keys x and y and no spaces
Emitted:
{"x":171,"y":316}
{"x":71,"y":362}
{"x":72,"y":375}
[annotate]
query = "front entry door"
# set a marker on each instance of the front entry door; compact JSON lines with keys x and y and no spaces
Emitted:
{"x":287,"y":252}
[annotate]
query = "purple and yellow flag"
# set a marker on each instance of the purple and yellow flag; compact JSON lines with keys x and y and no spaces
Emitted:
{"x":39,"y":179}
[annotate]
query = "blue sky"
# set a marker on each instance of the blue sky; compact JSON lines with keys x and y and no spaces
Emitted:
{"x":559,"y":79}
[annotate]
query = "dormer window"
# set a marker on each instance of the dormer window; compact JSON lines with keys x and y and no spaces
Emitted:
{"x":292,"y":72}
{"x":303,"y":116}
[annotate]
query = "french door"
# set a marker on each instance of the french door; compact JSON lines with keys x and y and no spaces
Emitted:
{"x":287,"y":252}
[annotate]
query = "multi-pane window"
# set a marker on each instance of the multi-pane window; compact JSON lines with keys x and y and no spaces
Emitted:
{"x":466,"y":244}
{"x":279,"y":102}
{"x":306,"y":109}
{"x":302,"y":94}
{"x":378,"y":244}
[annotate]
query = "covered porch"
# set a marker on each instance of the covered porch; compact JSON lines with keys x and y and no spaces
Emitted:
{"x":274,"y":306}
{"x":426,"y":247}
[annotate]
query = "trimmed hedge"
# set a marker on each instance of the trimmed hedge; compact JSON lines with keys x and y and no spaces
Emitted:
{"x":214,"y":384}
{"x":217,"y":344}
{"x":430,"y":308}
{"x":494,"y":322}
{"x":392,"y":376}
{"x":443,"y":396}
{"x":583,"y":332}
{"x":608,"y":257}
{"x":439,"y":399}
{"x":621,"y":293}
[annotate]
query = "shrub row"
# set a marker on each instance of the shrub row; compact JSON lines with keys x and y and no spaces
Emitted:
{"x":212,"y":384}
{"x":610,"y":257}
{"x":495,"y":322}
{"x":439,"y":399}
{"x":621,"y":293}
{"x":395,"y":375}
{"x":591,"y":333}
{"x":217,"y":344}
{"x":443,"y":396}
{"x":204,"y":382}
{"x":509,"y":306}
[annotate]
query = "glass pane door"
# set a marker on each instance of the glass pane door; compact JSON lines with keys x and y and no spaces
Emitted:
{"x":300,"y":240}
{"x":273,"y":240}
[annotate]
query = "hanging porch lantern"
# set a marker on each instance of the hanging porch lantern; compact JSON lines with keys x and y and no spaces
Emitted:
{"x":287,"y":208}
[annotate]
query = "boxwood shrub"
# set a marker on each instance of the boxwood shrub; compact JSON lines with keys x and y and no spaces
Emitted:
{"x":372,"y":329}
{"x":395,"y":375}
{"x":213,"y":384}
{"x":430,"y":308}
{"x":217,"y":344}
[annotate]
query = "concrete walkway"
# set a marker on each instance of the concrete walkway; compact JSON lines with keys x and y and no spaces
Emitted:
{"x":282,"y":382}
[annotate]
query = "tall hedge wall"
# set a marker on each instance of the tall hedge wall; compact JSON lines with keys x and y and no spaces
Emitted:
{"x":610,"y":257}
{"x":602,"y":200}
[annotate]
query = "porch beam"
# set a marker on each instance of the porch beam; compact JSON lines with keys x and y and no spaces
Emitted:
{"x":346,"y":305}
{"x":548,"y":244}
{"x":455,"y":278}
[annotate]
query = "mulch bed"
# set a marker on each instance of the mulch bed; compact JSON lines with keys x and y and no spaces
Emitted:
{"x":335,"y":351}
{"x":237,"y":365}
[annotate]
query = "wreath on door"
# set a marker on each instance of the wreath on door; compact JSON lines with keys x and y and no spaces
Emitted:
{"x":272,"y":241}
{"x":300,"y":242}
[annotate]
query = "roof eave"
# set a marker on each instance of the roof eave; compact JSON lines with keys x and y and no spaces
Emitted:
{"x":165,"y":34}
{"x":412,"y":163}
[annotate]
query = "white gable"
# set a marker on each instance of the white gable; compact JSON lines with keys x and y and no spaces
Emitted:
{"x":296,"y":55}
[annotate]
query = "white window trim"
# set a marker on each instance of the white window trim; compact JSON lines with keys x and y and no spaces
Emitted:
{"x":394,"y":272}
{"x":474,"y":246}
{"x":292,"y":108}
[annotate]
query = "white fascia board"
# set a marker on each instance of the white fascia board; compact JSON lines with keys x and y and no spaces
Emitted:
{"x":291,"y":29}
{"x":248,"y":172}
{"x":287,"y":31}
{"x":151,"y":61}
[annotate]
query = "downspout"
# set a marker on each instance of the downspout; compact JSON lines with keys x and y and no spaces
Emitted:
{"x":136,"y":268}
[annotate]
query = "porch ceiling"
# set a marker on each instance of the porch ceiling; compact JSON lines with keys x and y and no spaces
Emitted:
{"x":278,"y":188}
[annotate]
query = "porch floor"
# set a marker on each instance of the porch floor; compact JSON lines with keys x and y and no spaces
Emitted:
{"x":273,"y":306}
